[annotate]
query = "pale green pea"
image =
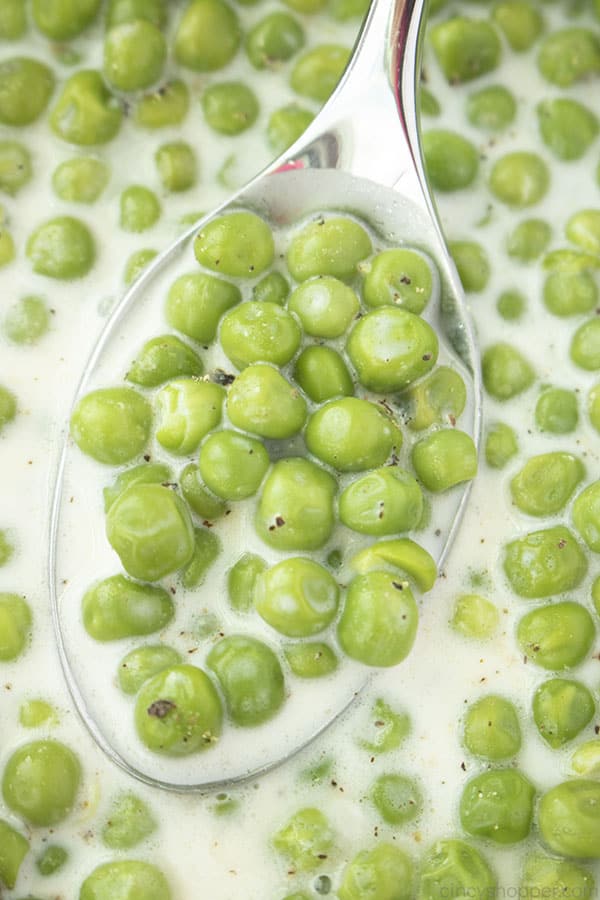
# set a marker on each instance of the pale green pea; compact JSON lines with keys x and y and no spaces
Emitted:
{"x":472,"y":265}
{"x":444,"y":459}
{"x":80,"y":180}
{"x":168,"y":106}
{"x":118,"y":607}
{"x":528,"y":240}
{"x":130,"y":821}
{"x":322,"y":374}
{"x":520,"y":179}
{"x":585,"y":346}
{"x":506,"y":372}
{"x":567,"y":128}
{"x":196,"y":302}
{"x":86,"y":113}
{"x":511,"y":305}
{"x":274,"y":40}
{"x":145,"y":473}
{"x":207,"y":547}
{"x":491,"y":728}
{"x":188,"y":409}
{"x":26,"y":88}
{"x":333,"y":246}
{"x":8,"y":406}
{"x":259,"y":332}
{"x":140,"y":208}
{"x":250,"y":677}
{"x":545,"y":562}
{"x":13,"y":21}
{"x":61,"y":248}
{"x":568,"y":818}
{"x":498,"y":806}
{"x":137,"y":262}
{"x":263,"y":402}
{"x":310,"y":660}
{"x":286,"y":125}
{"x":297,"y":597}
{"x":399,"y":277}
{"x":53,"y":858}
{"x":546,"y":482}
{"x":318,"y":71}
{"x":455,"y":867}
{"x":6,"y":548}
{"x":583,"y":228}
{"x":556,"y":411}
{"x":176,"y":165}
{"x":26,"y":321}
{"x":594,"y":406}
{"x":438,"y":398}
{"x":40,"y":782}
{"x":400,"y":555}
{"x":239,"y":244}
{"x":273,"y":288}
{"x":570,"y":293}
{"x":475,"y":617}
{"x":61,"y":20}
{"x":7,"y":247}
{"x":120,"y":11}
{"x":242,"y":579}
{"x":428,"y":103}
{"x":15,"y":167}
{"x":143,"y":663}
{"x":465,"y":48}
{"x":351,"y":435}
{"x":397,"y":798}
{"x":561,"y":710}
{"x":385,"y":501}
{"x":325,"y":306}
{"x":452,"y":162}
{"x":115,"y":880}
{"x":492,"y":108}
{"x":14,"y":847}
{"x":15,"y":626}
{"x":233,"y":465}
{"x":385,"y":730}
{"x":198,"y":497}
{"x":343,"y":10}
{"x":208,"y":36}
{"x":305,"y":7}
{"x":569,"y":55}
{"x":586,"y":759}
{"x":541,"y":635}
{"x":305,"y":840}
{"x":586,"y":515}
{"x":112,"y":424}
{"x":572,"y":261}
{"x":384,"y":873}
{"x":520,"y":21}
{"x":163,"y":358}
{"x":546,"y":875}
{"x":34,"y":713}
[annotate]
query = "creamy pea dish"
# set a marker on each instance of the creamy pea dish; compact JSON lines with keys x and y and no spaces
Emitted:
{"x":255,"y":475}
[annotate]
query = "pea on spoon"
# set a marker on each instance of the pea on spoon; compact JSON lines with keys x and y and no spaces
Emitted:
{"x":360,"y":155}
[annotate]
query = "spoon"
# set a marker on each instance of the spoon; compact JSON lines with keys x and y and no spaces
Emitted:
{"x":360,"y":154}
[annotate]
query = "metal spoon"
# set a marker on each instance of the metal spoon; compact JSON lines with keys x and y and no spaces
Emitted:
{"x":360,"y":154}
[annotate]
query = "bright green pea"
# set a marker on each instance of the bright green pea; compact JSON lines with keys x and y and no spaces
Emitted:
{"x":134,"y":55}
{"x":386,"y":728}
{"x":452,"y":162}
{"x":498,"y":805}
{"x":233,"y":465}
{"x":120,"y":11}
{"x":452,"y":868}
{"x":274,"y":40}
{"x":398,"y":277}
{"x":117,"y":608}
{"x":263,"y":402}
{"x":472,"y":265}
{"x":475,"y":617}
{"x":202,"y":501}
{"x":125,"y":880}
{"x":250,"y":677}
{"x":520,"y":21}
{"x":390,"y":348}
{"x":150,"y":528}
{"x":322,"y":374}
{"x":397,"y":798}
{"x":325,"y":306}
{"x":168,"y":106}
{"x":295,"y":510}
{"x":570,"y":261}
{"x":511,"y":305}
{"x":557,"y":636}
{"x":61,"y":20}
{"x":543,"y":563}
{"x":429,"y":105}
{"x":239,"y":244}
{"x":163,"y":358}
{"x":583,"y":228}
{"x":567,"y":127}
{"x":318,"y":71}
{"x":145,"y":473}
{"x":569,"y":55}
{"x":259,"y":332}
{"x":176,"y":164}
{"x":196,"y":302}
{"x":556,"y":411}
{"x":130,"y":821}
{"x":305,"y":839}
{"x":15,"y":167}
{"x":40,"y":782}
{"x":137,"y":262}
{"x":401,"y":555}
{"x":207,"y":547}
{"x":242,"y":579}
{"x":80,"y":180}
{"x":34,"y":713}
{"x":333,"y":246}
{"x":568,"y":818}
{"x":546,"y":482}
{"x":273,"y":288}
{"x":528,"y":240}
{"x":13,"y":20}
{"x":492,"y":108}
{"x":586,"y":515}
{"x":351,"y":435}
{"x":491,"y":728}
{"x":143,"y":663}
{"x":297,"y":597}
{"x":112,"y":425}
{"x":465,"y":48}
{"x":286,"y":125}
{"x":385,"y":501}
{"x":13,"y":850}
{"x":86,"y":113}
{"x":586,"y":759}
{"x":26,"y":321}
{"x":140,"y":208}
{"x":15,"y":626}
{"x":51,"y":860}
{"x":444,"y":459}
{"x":310,"y":660}
{"x":61,"y":248}
{"x":385,"y":873}
{"x":6,"y":547}
{"x":178,"y":712}
{"x":585,"y":346}
{"x":379,"y":620}
{"x":570,"y":293}
{"x":520,"y":179}
{"x":545,"y":876}
{"x":208,"y":36}
{"x":561,"y":710}
{"x":594,"y":406}
{"x":188,"y":409}
{"x":25,"y":88}
{"x":506,"y":372}
{"x":8,"y":406}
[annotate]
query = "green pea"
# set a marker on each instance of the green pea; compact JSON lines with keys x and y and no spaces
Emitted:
{"x":13,"y":850}
{"x":250,"y":677}
{"x":385,"y":501}
{"x":546,"y":482}
{"x":333,"y":246}
{"x":520,"y":179}
{"x":471,"y":263}
{"x":86,"y":113}
{"x":586,"y":515}
{"x":130,"y":822}
{"x":557,"y":636}
{"x":397,"y":798}
{"x":506,"y":372}
{"x":491,"y":728}
{"x":202,"y":501}
{"x":117,"y":608}
{"x":583,"y":228}
{"x":520,"y":21}
{"x":262,"y":401}
{"x":528,"y":240}
{"x":318,"y":71}
{"x":207,"y":547}
{"x":398,"y":277}
{"x":208,"y":36}
{"x":61,"y":248}
{"x":570,"y":261}
{"x":286,"y":125}
{"x":444,"y":459}
{"x":305,"y":839}
{"x":325,"y":306}
{"x":6,"y":548}
{"x":511,"y":305}
{"x":124,"y":879}
{"x":163,"y":358}
{"x":567,"y":127}
{"x":273,"y":40}
{"x":13,"y":20}
{"x":259,"y":332}
{"x":585,"y":346}
{"x":306,"y":7}
{"x":25,"y":89}
{"x":26,"y":321}
{"x":586,"y":759}
{"x":569,"y":55}
{"x":310,"y":660}
{"x":143,"y":663}
{"x":134,"y":55}
{"x":322,"y":374}
{"x":561,"y":710}
{"x":568,"y":818}
{"x":570,"y":293}
{"x":273,"y":288}
{"x":112,"y":425}
{"x":455,"y":868}
{"x":384,"y":873}
{"x":401,"y":555}
{"x":80,"y":180}
{"x":176,"y":164}
{"x":556,"y":411}
{"x":242,"y":579}
{"x":51,"y":860}
{"x":295,"y":510}
{"x":7,"y":247}
{"x":452,"y":162}
{"x":386,"y":729}
{"x":15,"y":167}
{"x":543,"y":563}
{"x":465,"y":48}
{"x":233,"y":465}
{"x":61,"y":20}
{"x":150,"y":528}
{"x":498,"y":805}
{"x":168,"y":106}
{"x":594,"y":406}
{"x":196,"y":302}
{"x":475,"y":617}
{"x":351,"y":435}
{"x":379,"y":620}
{"x":137,"y":262}
{"x":297,"y":597}
{"x":429,"y":104}
{"x":239,"y":244}
{"x":492,"y":108}
{"x":178,"y":712}
{"x":121,"y":11}
{"x":40,"y":782}
{"x":188,"y":410}
{"x":8,"y":406}
{"x":15,"y":626}
{"x":545,"y":875}
{"x":140,"y":208}
{"x":145,"y":473}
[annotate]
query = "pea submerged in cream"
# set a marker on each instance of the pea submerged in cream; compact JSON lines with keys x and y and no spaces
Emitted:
{"x":224,"y":845}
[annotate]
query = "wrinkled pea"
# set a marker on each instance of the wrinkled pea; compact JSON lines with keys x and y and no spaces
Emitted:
{"x":196,"y":302}
{"x":130,"y":822}
{"x":188,"y":410}
{"x":273,"y":40}
{"x":585,"y":346}
{"x":242,"y":579}
{"x":14,"y":847}
{"x":569,"y":55}
{"x":586,"y":759}
{"x":239,"y":244}
{"x":112,"y":425}
{"x":557,"y":636}
{"x":139,"y":208}
{"x":207,"y":547}
{"x":455,"y":868}
{"x":506,"y":372}
{"x":520,"y":179}
{"x":452,"y":162}
{"x":40,"y":782}
{"x":250,"y":677}
{"x":61,"y":248}
{"x":165,"y":107}
{"x":475,"y":617}
{"x":444,"y":459}
{"x":331,"y":246}
{"x":162,"y":358}
{"x":263,"y":402}
{"x":15,"y":626}
{"x":568,"y":818}
{"x":400,"y":555}
{"x":351,"y":435}
{"x":586,"y":515}
{"x":26,"y":321}
{"x":233,"y":465}
{"x":118,"y":608}
{"x":26,"y":88}
{"x":546,"y":482}
{"x":583,"y":228}
{"x":208,"y":36}
{"x":124,"y":879}
{"x":310,"y":660}
{"x":146,"y":473}
{"x":297,"y":597}
{"x":397,"y":798}
{"x":86,"y":113}
{"x":384,"y":873}
{"x":286,"y":125}
{"x":567,"y":127}
{"x":385,"y":501}
{"x":305,"y":839}
{"x":528,"y":240}
{"x":491,"y":728}
{"x":143,"y":663}
{"x":385,"y":730}
{"x":465,"y":48}
{"x":199,"y":498}
{"x":545,"y":562}
{"x":545,"y":875}
{"x":498,"y":805}
{"x":561,"y":710}
{"x":322,"y":374}
{"x":570,"y":293}
{"x":34,"y":713}
{"x":318,"y":71}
